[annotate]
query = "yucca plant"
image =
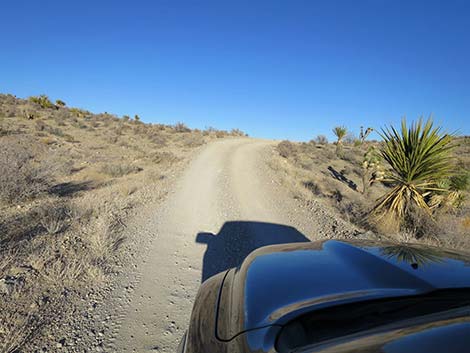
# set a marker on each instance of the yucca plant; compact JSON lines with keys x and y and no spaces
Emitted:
{"x":420,"y":158}
{"x":340,"y":132}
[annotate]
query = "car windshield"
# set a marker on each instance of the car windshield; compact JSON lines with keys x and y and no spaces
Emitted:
{"x":339,"y":321}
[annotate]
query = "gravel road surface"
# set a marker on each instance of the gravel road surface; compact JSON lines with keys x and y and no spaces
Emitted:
{"x":225,"y":204}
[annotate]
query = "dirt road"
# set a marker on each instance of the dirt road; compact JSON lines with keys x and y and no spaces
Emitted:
{"x":224,"y":205}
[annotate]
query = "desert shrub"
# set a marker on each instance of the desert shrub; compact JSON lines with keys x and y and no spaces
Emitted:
{"x":351,"y":156}
{"x":42,"y":100}
{"x":60,"y":103}
{"x":220,"y":134}
{"x":158,"y":139}
{"x":21,"y":177}
{"x":286,"y":149}
{"x":418,"y":223}
{"x":80,"y":113}
{"x":119,"y":169}
{"x":181,"y":127}
{"x":237,"y":132}
{"x":163,"y":157}
{"x":55,"y":131}
{"x":193,"y":140}
{"x":54,"y":216}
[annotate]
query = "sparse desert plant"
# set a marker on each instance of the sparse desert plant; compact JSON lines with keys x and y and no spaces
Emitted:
{"x":60,"y":103}
{"x":286,"y":148}
{"x":117,"y":170}
{"x":321,"y":140}
{"x":21,"y":177}
{"x":372,"y":169}
{"x":80,"y":113}
{"x":340,"y":132}
{"x":237,"y":132}
{"x":54,"y":216}
{"x":419,"y":157}
{"x":163,"y":157}
{"x":181,"y":127}
{"x":42,"y":100}
{"x":452,"y":191}
{"x":192,"y":140}
{"x":126,"y":117}
{"x":29,"y":115}
{"x":136,"y":117}
{"x":220,"y":134}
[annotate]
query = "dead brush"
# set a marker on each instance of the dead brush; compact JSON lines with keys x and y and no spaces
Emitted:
{"x":286,"y":149}
{"x":117,"y":170}
{"x":22,"y":177}
{"x":162,"y":157}
{"x":54,"y":216}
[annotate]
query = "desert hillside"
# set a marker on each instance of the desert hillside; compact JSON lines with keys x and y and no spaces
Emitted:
{"x":69,"y":181}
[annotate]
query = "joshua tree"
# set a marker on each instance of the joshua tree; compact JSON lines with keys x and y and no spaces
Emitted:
{"x":363,"y":134}
{"x":340,"y":132}
{"x":420,"y":158}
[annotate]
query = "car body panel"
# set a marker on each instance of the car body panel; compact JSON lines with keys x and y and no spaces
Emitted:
{"x":450,"y":335}
{"x":278,"y":282}
{"x":245,"y":308}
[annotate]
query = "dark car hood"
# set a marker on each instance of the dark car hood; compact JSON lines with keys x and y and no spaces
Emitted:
{"x":276,"y":283}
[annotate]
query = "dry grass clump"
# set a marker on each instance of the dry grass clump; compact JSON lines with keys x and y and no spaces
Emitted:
{"x":117,"y":170}
{"x":54,"y":216}
{"x":163,"y":157}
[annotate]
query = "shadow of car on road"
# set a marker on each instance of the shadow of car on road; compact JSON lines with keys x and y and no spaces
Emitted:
{"x":236,"y":239}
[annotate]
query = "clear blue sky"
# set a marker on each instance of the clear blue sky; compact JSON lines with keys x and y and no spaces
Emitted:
{"x":276,"y":69}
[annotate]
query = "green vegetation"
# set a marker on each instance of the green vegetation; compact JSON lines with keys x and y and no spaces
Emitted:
{"x":420,"y":158}
{"x":60,"y":103}
{"x":42,"y":100}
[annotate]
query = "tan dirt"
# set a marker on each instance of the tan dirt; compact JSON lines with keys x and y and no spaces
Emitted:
{"x":227,"y":181}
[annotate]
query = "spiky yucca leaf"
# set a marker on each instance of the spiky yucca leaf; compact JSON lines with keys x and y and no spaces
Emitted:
{"x":340,"y":132}
{"x":420,"y":157}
